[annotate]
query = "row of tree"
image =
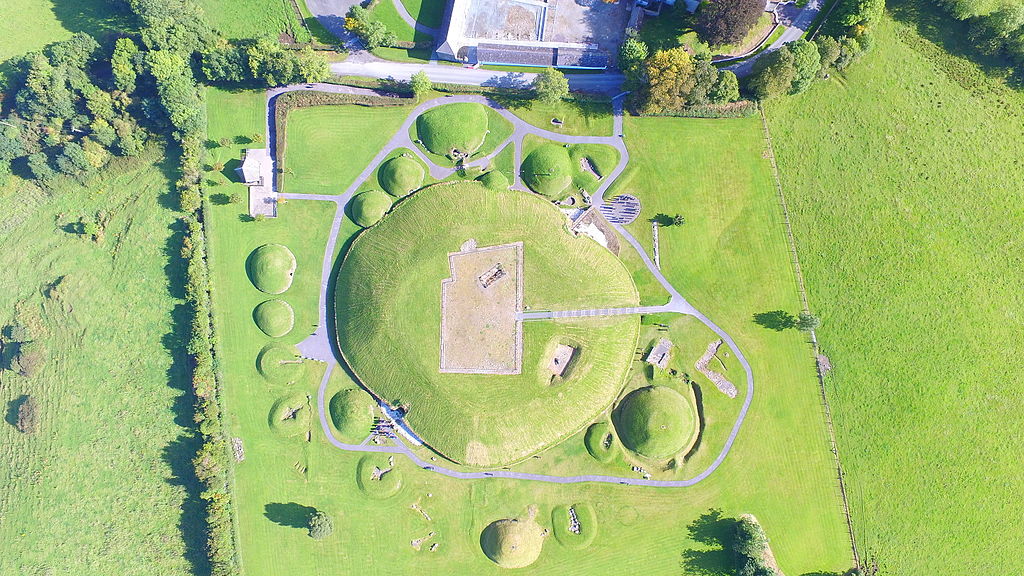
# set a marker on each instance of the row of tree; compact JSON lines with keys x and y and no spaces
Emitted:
{"x":794,"y":67}
{"x":996,"y":27}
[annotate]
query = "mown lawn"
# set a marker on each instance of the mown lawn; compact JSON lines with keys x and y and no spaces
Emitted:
{"x":903,"y":182}
{"x":578,"y":117}
{"x":430,"y":13}
{"x":106,"y":485}
{"x":328,"y":146}
{"x":733,"y":262}
{"x":27,"y":25}
{"x":254,"y":18}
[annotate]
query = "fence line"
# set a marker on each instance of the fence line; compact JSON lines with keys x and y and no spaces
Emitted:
{"x":840,"y":475}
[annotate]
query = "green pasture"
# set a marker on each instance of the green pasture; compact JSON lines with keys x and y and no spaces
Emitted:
{"x":906,"y":202}
{"x":328,"y":146}
{"x":389,"y":323}
{"x":27,"y":25}
{"x":106,"y":485}
{"x":254,"y":18}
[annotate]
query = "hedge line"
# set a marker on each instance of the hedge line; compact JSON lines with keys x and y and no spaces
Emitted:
{"x":741,"y":109}
{"x":284,"y":103}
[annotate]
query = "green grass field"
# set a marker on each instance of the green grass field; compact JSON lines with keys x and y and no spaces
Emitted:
{"x":27,"y":25}
{"x":578,"y":117}
{"x":389,"y":323}
{"x":906,"y":206}
{"x":254,"y":18}
{"x":430,"y":13}
{"x":328,"y":146}
{"x":106,"y":485}
{"x":733,"y":262}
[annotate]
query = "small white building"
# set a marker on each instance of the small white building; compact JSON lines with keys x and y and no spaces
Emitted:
{"x":660,"y":354}
{"x":257,"y":172}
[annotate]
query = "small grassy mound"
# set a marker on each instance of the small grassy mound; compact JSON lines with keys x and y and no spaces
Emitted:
{"x":512,"y":543}
{"x":400,"y":176}
{"x":352,"y":414}
{"x":453,"y":129}
{"x":274,"y":317}
{"x":271,"y":268}
{"x":280,"y":364}
{"x":548,"y":170}
{"x":600,"y":442}
{"x":494,"y":180}
{"x":586,"y":518}
{"x":290,"y":415}
{"x":367,"y":208}
{"x":389,"y":481}
{"x":655,"y":421}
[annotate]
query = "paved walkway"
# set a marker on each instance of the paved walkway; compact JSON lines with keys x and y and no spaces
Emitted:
{"x":318,"y":345}
{"x":797,"y":21}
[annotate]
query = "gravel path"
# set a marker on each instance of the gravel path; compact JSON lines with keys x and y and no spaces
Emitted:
{"x":318,"y":345}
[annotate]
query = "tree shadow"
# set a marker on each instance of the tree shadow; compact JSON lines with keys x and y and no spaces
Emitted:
{"x":716,"y":533}
{"x":230,"y":170}
{"x":662,"y":219}
{"x":777,"y":320}
{"x":290,"y":515}
{"x":220,"y":199}
{"x":179,"y":453}
{"x":11,"y":417}
{"x":98,"y":18}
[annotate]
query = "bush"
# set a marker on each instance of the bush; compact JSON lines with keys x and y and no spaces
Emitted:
{"x":27,"y":421}
{"x":320,"y":525}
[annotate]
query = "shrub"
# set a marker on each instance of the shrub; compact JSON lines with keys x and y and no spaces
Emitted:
{"x":320,"y":525}
{"x":27,"y":421}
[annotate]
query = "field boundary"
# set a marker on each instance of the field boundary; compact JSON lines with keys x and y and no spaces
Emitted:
{"x":801,"y":288}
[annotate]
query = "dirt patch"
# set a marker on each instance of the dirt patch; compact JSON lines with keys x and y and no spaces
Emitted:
{"x":720,"y":381}
{"x":479,"y":330}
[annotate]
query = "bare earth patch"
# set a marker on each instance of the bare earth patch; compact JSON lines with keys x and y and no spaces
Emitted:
{"x":479,"y":330}
{"x":720,"y":381}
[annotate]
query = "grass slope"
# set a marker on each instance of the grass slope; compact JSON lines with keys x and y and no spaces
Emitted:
{"x":27,"y":25}
{"x":254,"y":18}
{"x":328,"y":146}
{"x":388,"y":322}
{"x":105,"y":486}
{"x":905,"y":203}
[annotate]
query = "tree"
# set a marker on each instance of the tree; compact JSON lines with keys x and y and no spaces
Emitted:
{"x":122,"y":64}
{"x":73,"y":161}
{"x":777,"y":320}
{"x":860,"y":12}
{"x":29,"y":358}
{"x":421,"y":84}
{"x":678,"y":220}
{"x":669,"y":80}
{"x":75,"y":52}
{"x":773,"y":74}
{"x":320,"y":525}
{"x":550,"y":86}
{"x":727,"y":21}
{"x":726,"y":88}
{"x":807,"y":322}
{"x":806,"y":64}
{"x":632,"y":54}
{"x":829,"y":49}
{"x":40,"y":167}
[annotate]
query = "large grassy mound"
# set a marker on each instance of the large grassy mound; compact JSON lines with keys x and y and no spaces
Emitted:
{"x":367,"y":208}
{"x":512,"y":543}
{"x":453,"y":129}
{"x":352,"y":414}
{"x":400,"y":176}
{"x":274,"y":317}
{"x":655,"y":421}
{"x":290,"y":415}
{"x":548,"y":170}
{"x":388,"y":318}
{"x":271,"y":268}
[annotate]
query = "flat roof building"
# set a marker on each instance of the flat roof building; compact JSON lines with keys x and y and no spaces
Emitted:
{"x":660,"y":354}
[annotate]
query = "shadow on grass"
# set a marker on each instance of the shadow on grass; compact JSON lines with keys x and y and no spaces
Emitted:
{"x":12,"y":409}
{"x":715,"y":533}
{"x":290,"y":515}
{"x":777,"y":320}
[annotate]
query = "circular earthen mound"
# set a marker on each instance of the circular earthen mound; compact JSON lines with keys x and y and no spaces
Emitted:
{"x":271,"y":268}
{"x":274,"y":317}
{"x":655,"y":421}
{"x":367,"y":208}
{"x":512,"y":543}
{"x":400,"y":176}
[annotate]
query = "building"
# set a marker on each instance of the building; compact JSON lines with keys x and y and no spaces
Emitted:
{"x":660,"y":354}
{"x":257,"y":172}
{"x":558,"y":33}
{"x":561,"y":359}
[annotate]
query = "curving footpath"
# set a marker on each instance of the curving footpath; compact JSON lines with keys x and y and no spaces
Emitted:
{"x":318,"y":345}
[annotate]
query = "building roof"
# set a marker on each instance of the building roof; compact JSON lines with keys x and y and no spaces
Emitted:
{"x":660,"y":354}
{"x":255,"y":165}
{"x":560,"y":360}
{"x":566,"y":57}
{"x":515,"y":54}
